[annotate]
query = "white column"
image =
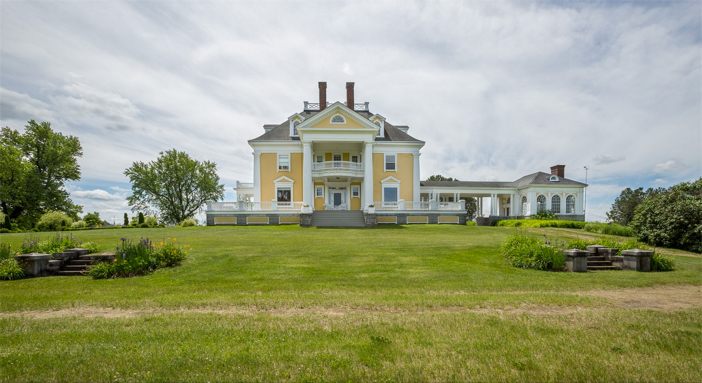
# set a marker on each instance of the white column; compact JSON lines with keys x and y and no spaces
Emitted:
{"x":563,"y":202}
{"x":307,"y":192}
{"x":368,"y":173}
{"x":257,"y":176}
{"x":531,"y":201}
{"x":548,"y":201}
{"x":512,"y":205}
{"x":415,"y":178}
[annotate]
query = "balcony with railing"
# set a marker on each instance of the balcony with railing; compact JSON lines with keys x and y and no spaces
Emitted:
{"x":337,"y":168}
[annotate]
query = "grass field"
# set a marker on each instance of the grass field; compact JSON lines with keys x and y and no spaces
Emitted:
{"x":404,"y":303}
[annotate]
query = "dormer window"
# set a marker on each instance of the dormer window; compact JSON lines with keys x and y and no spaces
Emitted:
{"x":338,"y":119}
{"x":554,"y":178}
{"x":295,"y":124}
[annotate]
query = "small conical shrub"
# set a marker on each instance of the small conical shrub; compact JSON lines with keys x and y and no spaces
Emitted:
{"x":141,"y":218}
{"x":8,"y":224}
{"x":126,"y":219}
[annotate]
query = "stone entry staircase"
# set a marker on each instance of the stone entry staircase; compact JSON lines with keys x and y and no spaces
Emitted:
{"x":338,"y":218}
{"x":600,"y":258}
{"x":75,"y":267}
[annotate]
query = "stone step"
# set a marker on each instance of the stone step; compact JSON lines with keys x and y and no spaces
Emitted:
{"x":79,"y":262}
{"x":74,"y":267}
{"x":599,"y":263}
{"x":70,"y":273}
{"x":595,"y":258}
{"x":603,"y":267}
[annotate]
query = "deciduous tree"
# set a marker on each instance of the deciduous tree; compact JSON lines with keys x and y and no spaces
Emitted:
{"x":672,"y":218}
{"x":33,"y":169}
{"x":174,"y":185}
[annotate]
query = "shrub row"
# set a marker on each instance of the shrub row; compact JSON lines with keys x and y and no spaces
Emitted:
{"x":540,"y":223}
{"x":9,"y":268}
{"x":609,"y":228}
{"x":139,"y":258}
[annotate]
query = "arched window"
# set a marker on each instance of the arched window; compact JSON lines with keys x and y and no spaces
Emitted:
{"x":556,"y":204}
{"x":295,"y":124}
{"x":338,"y":119}
{"x":540,"y":203}
{"x":570,"y":204}
{"x":525,"y":206}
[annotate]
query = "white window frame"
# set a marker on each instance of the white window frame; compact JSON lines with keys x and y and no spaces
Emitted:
{"x":556,"y":207}
{"x":357,"y":158}
{"x":284,"y":182}
{"x":539,"y":205}
{"x":572,"y":210}
{"x":319,"y":191}
{"x":355,"y":191}
{"x":318,"y":157}
{"x":385,"y":162}
{"x":390,"y":182}
{"x":341,"y":159}
{"x":289,"y":165}
{"x":295,"y":123}
{"x":331,"y":119}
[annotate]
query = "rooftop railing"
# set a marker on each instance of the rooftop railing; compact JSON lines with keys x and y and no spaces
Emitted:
{"x":359,"y":107}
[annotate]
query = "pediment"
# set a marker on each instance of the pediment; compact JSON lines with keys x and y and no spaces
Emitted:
{"x":390,"y":179}
{"x":326,"y":119}
{"x":283,"y":179}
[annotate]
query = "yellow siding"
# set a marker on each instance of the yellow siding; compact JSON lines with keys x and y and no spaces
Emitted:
{"x":270,"y":173}
{"x":404,"y":173}
{"x":345,"y":157}
{"x":417,"y":219}
{"x":326,"y":123}
{"x":449,"y":219}
{"x":318,"y":202}
{"x":257,"y":220}
{"x":284,"y":220}
{"x":392,"y":219}
{"x":327,"y":156}
{"x":355,"y":202}
{"x":225,"y":220}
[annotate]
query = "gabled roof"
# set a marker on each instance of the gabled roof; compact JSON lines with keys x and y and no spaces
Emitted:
{"x":534,"y":179}
{"x":282,"y":131}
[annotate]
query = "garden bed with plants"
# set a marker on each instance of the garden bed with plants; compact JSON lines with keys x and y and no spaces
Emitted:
{"x":543,"y":253}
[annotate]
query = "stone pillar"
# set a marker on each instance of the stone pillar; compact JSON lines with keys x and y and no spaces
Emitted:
{"x":305,"y":220}
{"x":307,"y":188}
{"x":257,"y":176}
{"x":576,"y":260}
{"x":34,"y":264}
{"x":416,"y":179}
{"x":607,"y":253}
{"x":637,"y":259}
{"x":368,"y":173}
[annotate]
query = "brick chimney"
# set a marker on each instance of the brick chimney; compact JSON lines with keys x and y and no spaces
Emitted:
{"x":349,"y":95}
{"x":322,"y":95}
{"x":558,"y":170}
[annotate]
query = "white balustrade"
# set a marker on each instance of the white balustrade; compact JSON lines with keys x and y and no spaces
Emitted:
{"x":340,"y":165}
{"x":254,"y":206}
{"x":416,"y":205}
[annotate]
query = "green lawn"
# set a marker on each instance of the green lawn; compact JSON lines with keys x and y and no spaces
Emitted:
{"x":401,"y":303}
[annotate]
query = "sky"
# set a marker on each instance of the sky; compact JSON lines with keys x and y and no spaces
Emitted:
{"x":497,"y":90}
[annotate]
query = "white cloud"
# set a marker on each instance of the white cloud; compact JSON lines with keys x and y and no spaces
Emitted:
{"x":605,"y":159}
{"x":96,"y":194}
{"x":659,"y":181}
{"x":496,"y":89}
{"x":669,"y":166}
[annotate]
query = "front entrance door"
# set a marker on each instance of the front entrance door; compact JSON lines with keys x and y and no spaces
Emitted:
{"x":337,"y":199}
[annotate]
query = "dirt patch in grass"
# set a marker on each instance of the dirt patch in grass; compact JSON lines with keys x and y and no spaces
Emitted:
{"x":655,"y":298}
